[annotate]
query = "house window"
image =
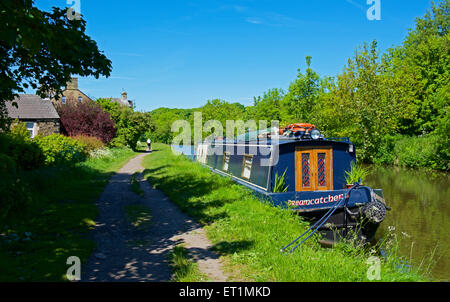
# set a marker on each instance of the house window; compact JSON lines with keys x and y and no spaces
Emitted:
{"x":63,"y":100}
{"x":80,"y":99}
{"x":30,"y":128}
{"x":226,"y":161}
{"x":247,"y":166}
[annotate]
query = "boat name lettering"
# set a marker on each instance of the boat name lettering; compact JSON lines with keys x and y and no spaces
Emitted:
{"x":317,"y":201}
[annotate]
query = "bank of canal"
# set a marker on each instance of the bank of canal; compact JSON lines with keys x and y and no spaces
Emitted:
{"x":420,"y":213}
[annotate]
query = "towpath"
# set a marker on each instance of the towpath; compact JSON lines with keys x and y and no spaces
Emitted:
{"x":126,"y":254}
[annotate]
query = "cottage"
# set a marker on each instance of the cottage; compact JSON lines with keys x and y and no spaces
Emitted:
{"x":71,"y":92}
{"x":38,"y":114}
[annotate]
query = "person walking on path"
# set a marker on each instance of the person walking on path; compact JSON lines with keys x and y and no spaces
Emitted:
{"x":149,"y":145}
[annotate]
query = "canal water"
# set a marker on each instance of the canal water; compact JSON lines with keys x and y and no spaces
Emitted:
{"x":420,"y":214}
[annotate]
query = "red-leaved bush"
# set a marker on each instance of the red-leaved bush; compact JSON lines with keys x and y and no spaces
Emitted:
{"x":86,"y":118}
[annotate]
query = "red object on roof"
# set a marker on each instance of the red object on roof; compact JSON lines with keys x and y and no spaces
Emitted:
{"x":298,"y":127}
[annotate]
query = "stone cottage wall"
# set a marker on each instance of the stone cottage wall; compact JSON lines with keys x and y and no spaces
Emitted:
{"x":46,"y":128}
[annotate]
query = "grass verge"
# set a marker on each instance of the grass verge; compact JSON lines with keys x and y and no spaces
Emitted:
{"x":135,"y":186}
{"x":36,"y":242}
{"x":184,"y":269}
{"x":249,"y":233}
{"x":139,"y":216}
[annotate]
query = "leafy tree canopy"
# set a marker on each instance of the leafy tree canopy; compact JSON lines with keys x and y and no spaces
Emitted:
{"x":42,"y":50}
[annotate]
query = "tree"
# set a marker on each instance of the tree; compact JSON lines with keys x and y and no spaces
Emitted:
{"x":86,"y":118}
{"x":362,"y":104}
{"x":130,"y":125}
{"x":424,"y":61}
{"x":163,"y":119}
{"x":268,"y":107}
{"x":302,"y":96}
{"x":42,"y":50}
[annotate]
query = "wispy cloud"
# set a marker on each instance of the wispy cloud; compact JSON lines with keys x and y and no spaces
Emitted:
{"x":122,"y":78}
{"x":273,"y":19}
{"x":94,"y":80}
{"x":254,"y":20}
{"x":354,"y":3}
{"x":237,"y":8}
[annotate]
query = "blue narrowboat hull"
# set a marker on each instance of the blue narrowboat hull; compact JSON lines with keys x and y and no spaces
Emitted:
{"x":354,"y":214}
{"x":347,"y":221}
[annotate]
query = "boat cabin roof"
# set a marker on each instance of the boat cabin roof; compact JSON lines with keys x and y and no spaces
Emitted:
{"x":285,"y":141}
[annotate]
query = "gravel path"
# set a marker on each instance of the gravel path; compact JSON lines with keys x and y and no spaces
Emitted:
{"x":126,"y":254}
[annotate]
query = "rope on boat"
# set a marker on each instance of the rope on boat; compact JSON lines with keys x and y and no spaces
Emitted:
{"x":321,"y":221}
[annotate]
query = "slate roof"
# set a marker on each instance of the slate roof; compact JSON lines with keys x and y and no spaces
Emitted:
{"x":31,"y":107}
{"x":121,"y":101}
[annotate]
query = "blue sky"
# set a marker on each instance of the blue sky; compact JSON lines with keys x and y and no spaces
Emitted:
{"x":179,"y":54}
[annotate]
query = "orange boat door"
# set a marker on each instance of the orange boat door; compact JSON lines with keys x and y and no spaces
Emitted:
{"x":314,"y":169}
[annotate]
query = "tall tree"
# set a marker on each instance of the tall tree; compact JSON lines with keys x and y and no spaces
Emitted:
{"x":42,"y":50}
{"x":360,"y":103}
{"x":423,"y":60}
{"x":269,"y":106}
{"x":130,"y":125}
{"x":302,"y":95}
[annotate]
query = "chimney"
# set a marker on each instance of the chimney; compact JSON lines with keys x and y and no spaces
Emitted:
{"x":124,"y":96}
{"x":73,"y":84}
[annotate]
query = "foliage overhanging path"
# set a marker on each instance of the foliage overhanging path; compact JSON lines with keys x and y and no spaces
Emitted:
{"x":125,"y":253}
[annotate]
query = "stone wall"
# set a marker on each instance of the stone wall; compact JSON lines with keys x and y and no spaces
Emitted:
{"x":48,"y":127}
{"x":43,"y":127}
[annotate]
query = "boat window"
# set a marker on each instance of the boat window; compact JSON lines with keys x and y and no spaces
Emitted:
{"x":247,"y":166}
{"x":226,"y":161}
{"x":202,"y":153}
{"x":306,"y":167}
{"x":322,"y":169}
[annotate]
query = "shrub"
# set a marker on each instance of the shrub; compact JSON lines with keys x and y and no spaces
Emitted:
{"x":7,"y":164}
{"x":14,"y":193}
{"x":385,"y":152}
{"x":20,"y":131}
{"x":59,"y":149}
{"x":130,"y":125}
{"x":101,"y":153}
{"x":118,"y":142}
{"x":419,"y":152}
{"x":25,"y":153}
{"x":87,"y":119}
{"x":91,"y":143}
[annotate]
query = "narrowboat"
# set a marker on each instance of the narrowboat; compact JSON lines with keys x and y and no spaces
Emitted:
{"x":297,"y":168}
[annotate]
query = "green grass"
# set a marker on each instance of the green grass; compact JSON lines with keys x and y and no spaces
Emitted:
{"x":249,"y":233}
{"x":184,"y":269}
{"x":36,"y":241}
{"x":139,"y":216}
{"x":135,"y":186}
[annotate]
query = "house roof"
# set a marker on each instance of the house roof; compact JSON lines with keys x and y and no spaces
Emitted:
{"x":31,"y":106}
{"x":121,"y":101}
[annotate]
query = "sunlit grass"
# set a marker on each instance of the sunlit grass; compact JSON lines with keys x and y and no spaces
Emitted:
{"x":184,"y":269}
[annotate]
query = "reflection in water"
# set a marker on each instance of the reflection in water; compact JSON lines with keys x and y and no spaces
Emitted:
{"x":420,"y":213}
